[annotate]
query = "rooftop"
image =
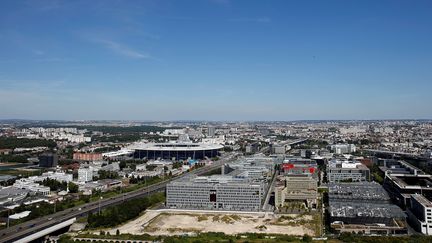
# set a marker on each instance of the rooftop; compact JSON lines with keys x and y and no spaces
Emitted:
{"x":423,"y":200}
{"x":357,"y":191}
{"x":179,"y":146}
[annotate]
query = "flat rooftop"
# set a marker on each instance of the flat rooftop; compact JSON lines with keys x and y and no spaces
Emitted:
{"x":412,"y":181}
{"x":421,"y":199}
{"x":353,"y":210}
{"x":357,"y":191}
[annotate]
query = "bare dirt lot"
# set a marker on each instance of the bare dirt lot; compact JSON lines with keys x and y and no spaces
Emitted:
{"x":160,"y":222}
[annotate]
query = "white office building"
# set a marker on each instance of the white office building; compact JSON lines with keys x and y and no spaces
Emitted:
{"x":420,"y":214}
{"x":85,"y":174}
{"x":217,"y":192}
{"x":345,"y":170}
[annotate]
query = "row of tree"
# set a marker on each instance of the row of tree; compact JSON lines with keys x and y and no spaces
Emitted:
{"x":13,"y":142}
{"x":14,"y":158}
{"x":118,"y":214}
{"x":55,"y":185}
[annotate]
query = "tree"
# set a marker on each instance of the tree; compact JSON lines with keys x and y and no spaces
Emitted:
{"x":118,"y":232}
{"x":73,"y":188}
{"x":306,"y":238}
{"x":122,"y":164}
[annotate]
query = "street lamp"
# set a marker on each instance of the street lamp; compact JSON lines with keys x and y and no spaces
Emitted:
{"x":100,"y":204}
{"x":8,"y":218}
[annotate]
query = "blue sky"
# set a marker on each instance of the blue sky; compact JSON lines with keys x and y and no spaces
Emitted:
{"x":216,"y":59}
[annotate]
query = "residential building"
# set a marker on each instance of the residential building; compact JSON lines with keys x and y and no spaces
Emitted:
{"x":87,"y":156}
{"x":211,"y":131}
{"x":343,"y":148}
{"x":85,"y":174}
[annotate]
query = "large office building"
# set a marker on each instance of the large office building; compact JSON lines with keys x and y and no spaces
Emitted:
{"x":344,"y":170}
{"x":48,"y":160}
{"x":420,"y":214}
{"x":217,"y":192}
{"x":297,"y":182}
{"x":296,"y":188}
{"x":299,"y":166}
{"x":242,"y":187}
{"x":402,"y":179}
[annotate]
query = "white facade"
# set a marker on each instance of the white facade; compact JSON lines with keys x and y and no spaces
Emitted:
{"x":30,"y":185}
{"x":85,"y":174}
{"x":420,"y":214}
{"x":58,"y":176}
{"x":343,"y":148}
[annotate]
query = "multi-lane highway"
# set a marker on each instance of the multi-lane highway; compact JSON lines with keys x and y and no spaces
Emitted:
{"x":30,"y":227}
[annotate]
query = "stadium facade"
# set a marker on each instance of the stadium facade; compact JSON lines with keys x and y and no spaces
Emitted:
{"x":176,"y":151}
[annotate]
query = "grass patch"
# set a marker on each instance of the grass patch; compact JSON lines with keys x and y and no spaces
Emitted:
{"x":202,"y":218}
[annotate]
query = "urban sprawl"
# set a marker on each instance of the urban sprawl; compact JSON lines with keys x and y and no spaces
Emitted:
{"x":310,"y":180}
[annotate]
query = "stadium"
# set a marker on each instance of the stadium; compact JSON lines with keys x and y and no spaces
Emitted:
{"x":176,"y":151}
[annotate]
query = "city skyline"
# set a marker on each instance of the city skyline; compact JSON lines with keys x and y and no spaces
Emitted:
{"x":215,"y":60}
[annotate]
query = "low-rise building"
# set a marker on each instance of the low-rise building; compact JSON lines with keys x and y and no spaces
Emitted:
{"x":32,"y":186}
{"x":11,"y":195}
{"x":345,"y":170}
{"x":58,"y":176}
{"x":101,"y":185}
{"x":365,"y":208}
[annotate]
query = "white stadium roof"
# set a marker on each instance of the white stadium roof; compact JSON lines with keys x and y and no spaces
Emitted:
{"x":176,"y":146}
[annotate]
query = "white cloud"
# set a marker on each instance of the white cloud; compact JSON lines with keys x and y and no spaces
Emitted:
{"x":123,"y":50}
{"x":256,"y":20}
{"x":38,"y":52}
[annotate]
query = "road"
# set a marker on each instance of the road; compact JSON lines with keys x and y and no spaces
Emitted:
{"x":18,"y":231}
{"x":266,"y":206}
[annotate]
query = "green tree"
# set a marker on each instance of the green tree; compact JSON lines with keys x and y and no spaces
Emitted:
{"x":73,"y":188}
{"x":306,"y":238}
